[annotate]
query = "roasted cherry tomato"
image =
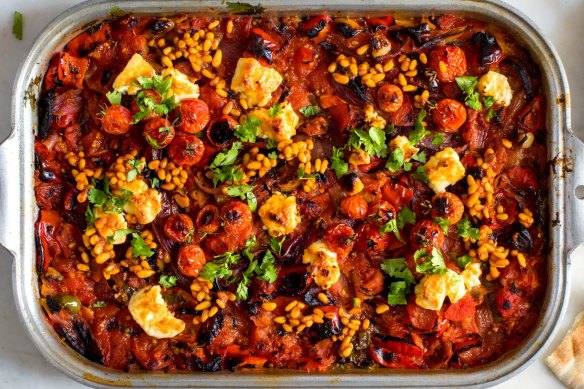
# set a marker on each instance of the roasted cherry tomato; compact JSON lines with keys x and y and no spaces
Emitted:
{"x":398,"y":194}
{"x":208,"y":219}
{"x":194,"y":115}
{"x":186,"y":150}
{"x":340,"y":238}
{"x":370,"y":240}
{"x":354,"y":207}
{"x":179,"y":227}
{"x":191,"y":260}
{"x":117,"y":120}
{"x":449,"y":115}
{"x":533,"y":116}
{"x":367,"y":279}
{"x":236,"y":216}
{"x":221,"y":131}
{"x":448,"y":206}
{"x":381,"y":212}
{"x":389,"y":98}
{"x":425,"y":234}
{"x":159,"y":132}
{"x":449,"y":62}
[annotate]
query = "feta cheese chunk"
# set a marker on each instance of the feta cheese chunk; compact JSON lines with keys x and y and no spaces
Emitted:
{"x":150,"y":311}
{"x":279,"y":215}
{"x":444,"y":169}
{"x":182,"y":87}
{"x":402,"y":142}
{"x":497,"y":86}
{"x":434,"y":288}
{"x":136,"y":67}
{"x":471,"y":275}
{"x":278,"y":128}
{"x":323,"y":264}
{"x":145,"y":202}
{"x":106,"y":225}
{"x":255,"y":82}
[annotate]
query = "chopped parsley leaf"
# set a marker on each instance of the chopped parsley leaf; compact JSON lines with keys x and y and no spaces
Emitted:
{"x":338,"y":163}
{"x":244,"y":192}
{"x":372,"y":141}
{"x":405,"y":216}
{"x":420,"y":157}
{"x":17,"y":23}
{"x":465,"y":230}
{"x":276,"y":245}
{"x":167,"y":281}
{"x":391,"y":226}
{"x":420,"y":131}
{"x":398,"y":269}
{"x":114,"y":97}
{"x":275,"y":110}
{"x":464,"y":260}
{"x":137,"y":167}
{"x":467,"y":85}
{"x":139,"y":247}
{"x":310,"y":110}
{"x":442,"y":223}
{"x":98,"y":304}
{"x":248,"y":130}
{"x":438,"y":139}
{"x":420,"y":174}
{"x":223,"y":165}
{"x":429,"y":262}
{"x":396,"y":161}
{"x":244,"y":8}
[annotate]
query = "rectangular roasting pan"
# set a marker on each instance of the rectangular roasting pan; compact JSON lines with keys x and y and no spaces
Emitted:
{"x":18,"y":210}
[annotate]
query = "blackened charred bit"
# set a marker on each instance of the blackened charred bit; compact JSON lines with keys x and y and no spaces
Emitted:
{"x":419,"y":33}
{"x":46,"y":113}
{"x":211,"y":329}
{"x":359,"y":89}
{"x":105,"y":77}
{"x":220,"y":133}
{"x":522,"y":240}
{"x":214,"y":365}
{"x":293,"y":284}
{"x":314,"y":31}
{"x":507,"y":305}
{"x":80,"y":340}
{"x":161,"y":26}
{"x":490,"y":52}
{"x":525,"y":78}
{"x":259,"y":49}
{"x":53,"y":304}
{"x":346,"y":30}
{"x":329,"y":47}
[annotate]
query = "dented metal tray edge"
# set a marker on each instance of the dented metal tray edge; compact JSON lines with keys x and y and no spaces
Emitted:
{"x":18,"y":209}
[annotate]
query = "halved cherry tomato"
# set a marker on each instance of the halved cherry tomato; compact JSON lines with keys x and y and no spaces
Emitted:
{"x":447,"y":205}
{"x":354,"y":207}
{"x":117,"y":120}
{"x":186,"y":150}
{"x":449,"y":115}
{"x":191,"y":260}
{"x":179,"y":227}
{"x":221,"y":131}
{"x":208,"y":219}
{"x":453,"y":59}
{"x":389,"y":98}
{"x":194,"y":115}
{"x":425,"y":234}
{"x":236,"y":216}
{"x":533,"y":116}
{"x":159,"y":132}
{"x":340,"y":238}
{"x":305,"y":60}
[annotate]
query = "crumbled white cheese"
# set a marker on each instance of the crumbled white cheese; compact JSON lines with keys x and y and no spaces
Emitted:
{"x":255,"y":82}
{"x":106,"y":224}
{"x":471,"y":275}
{"x":402,"y":142}
{"x":434,"y":288}
{"x":323,"y":265}
{"x":497,"y":86}
{"x":145,"y":202}
{"x":279,"y":214}
{"x":444,"y":169}
{"x":278,"y":128}
{"x":182,"y":87}
{"x":136,"y":67}
{"x":150,"y":311}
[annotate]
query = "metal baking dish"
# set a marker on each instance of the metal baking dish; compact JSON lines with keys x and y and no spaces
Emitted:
{"x":18,"y":210}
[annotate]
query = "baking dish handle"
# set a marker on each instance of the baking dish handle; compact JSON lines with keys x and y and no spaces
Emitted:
{"x":10,"y":193}
{"x":573,"y":168}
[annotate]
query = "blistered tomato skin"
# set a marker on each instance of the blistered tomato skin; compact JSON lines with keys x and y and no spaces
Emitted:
{"x":278,"y":191}
{"x":186,"y":150}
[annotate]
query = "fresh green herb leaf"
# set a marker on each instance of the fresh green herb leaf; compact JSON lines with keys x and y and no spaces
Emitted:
{"x":119,"y":234}
{"x":114,"y":97}
{"x":276,"y":245}
{"x":115,"y":10}
{"x":222,"y":165}
{"x":137,"y":167}
{"x":491,"y":114}
{"x":147,"y":104}
{"x":303,"y":176}
{"x":271,"y":144}
{"x":397,"y":293}
{"x":489,"y":101}
{"x":273,"y":155}
{"x":391,"y":226}
{"x":372,"y":141}
{"x":248,"y":130}
{"x":240,"y":8}
{"x":338,"y":163}
{"x":395,"y":162}
{"x":420,"y":157}
{"x":228,"y":157}
{"x":98,"y":304}
{"x":442,"y":223}
{"x":389,"y":129}
{"x":17,"y":23}
{"x":243,"y":192}
{"x":167,"y":281}
{"x":154,"y":183}
{"x":275,"y":110}
{"x":310,"y":110}
{"x":467,"y":85}
{"x":267,"y":271}
{"x":405,"y":216}
{"x":97,"y":197}
{"x":398,"y":269}
{"x":438,"y":139}
{"x":465,"y":230}
{"x":213,"y":270}
{"x":139,"y":247}
{"x":89,"y":217}
{"x":429,"y":263}
{"x":242,"y":291}
{"x":420,"y":174}
{"x":464,"y":260}
{"x":420,"y":131}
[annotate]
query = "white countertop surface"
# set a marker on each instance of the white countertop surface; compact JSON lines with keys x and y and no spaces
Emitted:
{"x":20,"y":364}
